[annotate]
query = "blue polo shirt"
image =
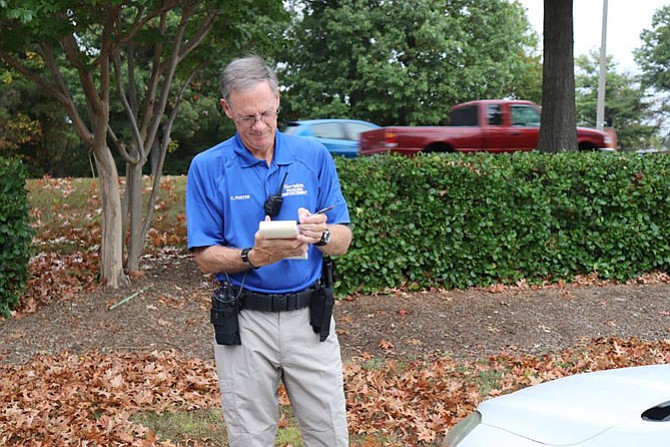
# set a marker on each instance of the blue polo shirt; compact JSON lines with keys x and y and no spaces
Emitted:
{"x":227,"y":187}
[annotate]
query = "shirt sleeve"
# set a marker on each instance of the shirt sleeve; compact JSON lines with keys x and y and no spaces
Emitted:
{"x":330,"y":192}
{"x":204,"y":219}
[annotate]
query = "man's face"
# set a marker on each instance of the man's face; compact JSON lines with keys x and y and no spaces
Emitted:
{"x":254,"y":112}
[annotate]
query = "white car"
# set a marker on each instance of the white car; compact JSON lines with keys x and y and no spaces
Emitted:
{"x":626,"y":407}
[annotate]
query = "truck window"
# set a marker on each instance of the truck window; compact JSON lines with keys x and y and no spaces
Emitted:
{"x":524,"y":116}
{"x":464,"y":116}
{"x":494,"y":114}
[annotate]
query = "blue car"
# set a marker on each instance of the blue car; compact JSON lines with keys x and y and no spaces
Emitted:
{"x":340,"y":136}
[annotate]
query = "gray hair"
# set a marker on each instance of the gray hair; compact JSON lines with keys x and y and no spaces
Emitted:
{"x":246,"y":72}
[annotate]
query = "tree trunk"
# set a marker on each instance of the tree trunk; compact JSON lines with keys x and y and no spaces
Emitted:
{"x":111,"y":246}
{"x":558,"y":130}
{"x":134,"y":200}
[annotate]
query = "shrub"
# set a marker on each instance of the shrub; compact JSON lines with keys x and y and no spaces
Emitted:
{"x":15,"y":234}
{"x":458,"y":220}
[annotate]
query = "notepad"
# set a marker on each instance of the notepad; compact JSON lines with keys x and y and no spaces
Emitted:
{"x":280,"y":229}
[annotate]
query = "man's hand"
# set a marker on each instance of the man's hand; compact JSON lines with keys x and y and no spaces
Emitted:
{"x":311,"y":226}
{"x":269,"y":251}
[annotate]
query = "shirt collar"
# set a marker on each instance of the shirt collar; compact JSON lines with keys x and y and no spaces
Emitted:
{"x":284,"y":154}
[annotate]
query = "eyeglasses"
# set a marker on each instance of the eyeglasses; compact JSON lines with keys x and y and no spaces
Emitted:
{"x":250,"y":120}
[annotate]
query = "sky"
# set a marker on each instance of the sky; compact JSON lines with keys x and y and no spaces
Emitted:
{"x":625,"y":21}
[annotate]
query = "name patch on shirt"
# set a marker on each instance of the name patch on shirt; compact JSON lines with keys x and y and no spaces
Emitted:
{"x":296,"y":189}
{"x":241,"y":197}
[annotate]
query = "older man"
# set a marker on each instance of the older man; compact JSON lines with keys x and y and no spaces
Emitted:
{"x":260,"y":174}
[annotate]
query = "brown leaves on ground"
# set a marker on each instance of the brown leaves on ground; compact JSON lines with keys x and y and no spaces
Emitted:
{"x":55,"y":276}
{"x":84,"y":400}
{"x":65,"y":214}
{"x":69,"y":400}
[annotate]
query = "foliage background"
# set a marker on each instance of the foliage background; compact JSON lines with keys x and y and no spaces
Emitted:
{"x":397,"y":62}
{"x":381,"y":61}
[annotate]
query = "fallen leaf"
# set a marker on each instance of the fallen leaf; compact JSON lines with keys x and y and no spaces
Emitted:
{"x":386,"y":345}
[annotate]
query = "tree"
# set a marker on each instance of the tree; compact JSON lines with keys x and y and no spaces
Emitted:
{"x":106,"y":43}
{"x":34,"y":128}
{"x":558,"y":127}
{"x":400,"y":62}
{"x":625,"y":108}
{"x":653,"y":57}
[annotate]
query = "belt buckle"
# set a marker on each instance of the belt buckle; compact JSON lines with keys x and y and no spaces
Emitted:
{"x":280,"y":302}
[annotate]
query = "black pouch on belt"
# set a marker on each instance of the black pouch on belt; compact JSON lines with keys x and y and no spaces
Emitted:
{"x":321,"y":308}
{"x":223,"y":315}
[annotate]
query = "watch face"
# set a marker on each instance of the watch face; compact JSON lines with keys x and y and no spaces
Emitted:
{"x":325,"y":238}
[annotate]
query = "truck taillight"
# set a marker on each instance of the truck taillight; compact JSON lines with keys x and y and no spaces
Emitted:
{"x":610,"y":137}
{"x":390,"y":139}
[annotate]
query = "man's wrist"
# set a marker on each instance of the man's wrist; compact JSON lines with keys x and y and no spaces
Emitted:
{"x":244,"y":255}
{"x":325,"y":239}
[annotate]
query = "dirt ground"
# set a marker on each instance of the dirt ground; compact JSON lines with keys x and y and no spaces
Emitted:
{"x":168,"y":310}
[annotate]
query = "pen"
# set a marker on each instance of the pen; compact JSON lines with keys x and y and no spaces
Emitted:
{"x":325,"y":210}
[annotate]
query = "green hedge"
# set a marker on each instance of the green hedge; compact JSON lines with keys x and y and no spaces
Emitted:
{"x":459,"y":220}
{"x":15,"y":234}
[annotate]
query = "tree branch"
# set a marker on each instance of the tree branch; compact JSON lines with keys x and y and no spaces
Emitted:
{"x":73,"y":55}
{"x":199,"y":35}
{"x":167,"y":130}
{"x":120,"y":145}
{"x":116,"y":61}
{"x":167,"y":70}
{"x":64,"y":96}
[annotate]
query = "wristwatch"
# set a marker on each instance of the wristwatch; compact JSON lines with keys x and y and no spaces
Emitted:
{"x":325,"y":238}
{"x":245,"y":258}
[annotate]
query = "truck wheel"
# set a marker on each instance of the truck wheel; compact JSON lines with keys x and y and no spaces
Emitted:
{"x":585,"y":147}
{"x":439,"y":148}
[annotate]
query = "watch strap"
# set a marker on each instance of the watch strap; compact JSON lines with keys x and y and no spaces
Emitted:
{"x":245,"y":257}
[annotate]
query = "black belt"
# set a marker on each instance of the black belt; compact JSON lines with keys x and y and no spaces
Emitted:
{"x":275,"y":302}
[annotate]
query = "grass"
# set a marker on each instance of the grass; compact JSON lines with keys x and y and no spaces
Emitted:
{"x":483,"y":378}
{"x":208,"y":427}
{"x":488,"y":380}
{"x":373,"y":364}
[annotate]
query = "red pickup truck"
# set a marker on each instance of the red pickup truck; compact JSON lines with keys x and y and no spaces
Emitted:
{"x":485,"y":125}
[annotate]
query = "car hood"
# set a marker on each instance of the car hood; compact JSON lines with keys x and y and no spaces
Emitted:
{"x":588,"y":404}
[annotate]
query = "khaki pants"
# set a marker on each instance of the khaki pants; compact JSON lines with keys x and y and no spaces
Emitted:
{"x":282,"y":346}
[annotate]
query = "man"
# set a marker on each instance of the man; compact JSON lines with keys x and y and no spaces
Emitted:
{"x":261,"y":174}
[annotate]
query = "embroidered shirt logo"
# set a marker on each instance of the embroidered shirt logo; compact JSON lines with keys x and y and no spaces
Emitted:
{"x":296,"y":189}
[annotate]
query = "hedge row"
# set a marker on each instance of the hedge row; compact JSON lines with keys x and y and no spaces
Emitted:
{"x":459,"y":220}
{"x":15,"y":234}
